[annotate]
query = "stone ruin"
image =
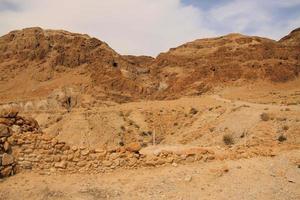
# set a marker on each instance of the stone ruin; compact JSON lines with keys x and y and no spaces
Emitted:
{"x":23,"y":146}
{"x":11,"y":123}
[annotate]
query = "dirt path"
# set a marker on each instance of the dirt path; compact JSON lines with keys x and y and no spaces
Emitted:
{"x":256,"y":105}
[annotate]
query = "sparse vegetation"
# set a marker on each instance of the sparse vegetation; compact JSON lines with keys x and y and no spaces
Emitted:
{"x":282,"y":138}
{"x":285,"y":127}
{"x":193,"y":111}
{"x":265,"y":117}
{"x":228,"y":139}
{"x":137,"y":127}
{"x":244,"y":134}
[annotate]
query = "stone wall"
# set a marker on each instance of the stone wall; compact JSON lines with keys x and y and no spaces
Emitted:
{"x":41,"y":152}
{"x":11,"y":124}
{"x":23,"y":146}
{"x":7,"y":162}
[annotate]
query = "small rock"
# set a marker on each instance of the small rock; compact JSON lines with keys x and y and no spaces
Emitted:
{"x":4,"y":131}
{"x":107,"y":163}
{"x":20,"y":141}
{"x":74,"y":148}
{"x":7,"y":171}
{"x":10,"y":112}
{"x":57,"y":158}
{"x":85,"y":152}
{"x":26,"y":164}
{"x":6,"y":146}
{"x":193,"y":111}
{"x":6,"y":121}
{"x":81,"y":163}
{"x":188,"y":178}
{"x":70,"y":157}
{"x":54,"y":141}
{"x":61,"y":165}
{"x":133,"y":147}
{"x":7,"y":159}
{"x":16,"y":129}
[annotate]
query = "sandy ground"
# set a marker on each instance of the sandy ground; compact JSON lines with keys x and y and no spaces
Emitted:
{"x":257,"y":178}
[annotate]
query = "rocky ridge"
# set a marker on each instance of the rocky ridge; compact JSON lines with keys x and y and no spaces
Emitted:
{"x":49,"y":60}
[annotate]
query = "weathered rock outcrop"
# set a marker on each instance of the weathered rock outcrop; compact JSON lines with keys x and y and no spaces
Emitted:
{"x":55,"y":59}
{"x":191,"y":67}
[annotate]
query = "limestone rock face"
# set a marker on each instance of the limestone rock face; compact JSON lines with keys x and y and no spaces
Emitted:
{"x":191,"y":69}
{"x":47,"y":55}
{"x":204,"y":63}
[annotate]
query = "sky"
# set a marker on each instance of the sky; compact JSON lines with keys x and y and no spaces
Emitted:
{"x":148,"y":27}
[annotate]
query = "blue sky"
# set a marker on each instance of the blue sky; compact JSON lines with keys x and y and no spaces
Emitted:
{"x":152,"y":26}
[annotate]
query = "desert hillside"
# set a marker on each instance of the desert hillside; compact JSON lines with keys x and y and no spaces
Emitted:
{"x":212,"y":112}
{"x":54,"y":60}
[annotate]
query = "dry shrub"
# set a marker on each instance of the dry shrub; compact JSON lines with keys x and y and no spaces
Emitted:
{"x":228,"y":139}
{"x":265,"y":117}
{"x":282,"y":138}
{"x":285,"y":127}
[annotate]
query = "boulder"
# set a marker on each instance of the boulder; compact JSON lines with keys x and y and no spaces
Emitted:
{"x":7,"y":159}
{"x":4,"y":131}
{"x":7,"y":171}
{"x":32,"y":123}
{"x":9,"y":112}
{"x":7,"y":121}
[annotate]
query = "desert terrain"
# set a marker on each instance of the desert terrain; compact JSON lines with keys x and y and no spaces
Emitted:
{"x":215,"y":118}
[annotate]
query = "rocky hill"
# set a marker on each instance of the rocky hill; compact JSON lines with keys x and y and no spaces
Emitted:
{"x":74,"y":114}
{"x":47,"y":60}
{"x":59,"y":63}
{"x":227,"y":59}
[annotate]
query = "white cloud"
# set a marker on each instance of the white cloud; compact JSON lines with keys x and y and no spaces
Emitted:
{"x":256,"y":17}
{"x":129,"y":26}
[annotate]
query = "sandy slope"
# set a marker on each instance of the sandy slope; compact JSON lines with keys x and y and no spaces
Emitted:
{"x":275,"y":176}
